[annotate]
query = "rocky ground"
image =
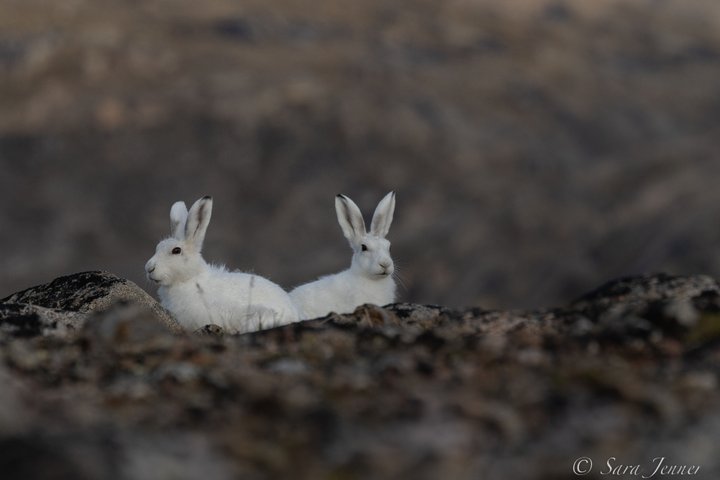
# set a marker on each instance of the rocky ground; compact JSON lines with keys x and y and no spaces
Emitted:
{"x":97,"y":382}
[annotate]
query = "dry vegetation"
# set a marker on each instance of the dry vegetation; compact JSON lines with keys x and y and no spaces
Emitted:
{"x":536,"y":147}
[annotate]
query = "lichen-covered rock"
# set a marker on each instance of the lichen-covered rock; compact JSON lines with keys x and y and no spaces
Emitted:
{"x":65,"y":303}
{"x":81,"y":292}
{"x":24,"y":320}
{"x":646,"y":288}
{"x":652,"y":308}
{"x":416,"y":391}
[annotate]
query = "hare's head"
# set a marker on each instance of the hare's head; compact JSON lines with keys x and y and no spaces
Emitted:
{"x":177,"y":258}
{"x":371,"y":251}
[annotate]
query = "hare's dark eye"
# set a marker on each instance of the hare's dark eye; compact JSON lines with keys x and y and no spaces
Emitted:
{"x":364,"y":247}
{"x":176,"y":251}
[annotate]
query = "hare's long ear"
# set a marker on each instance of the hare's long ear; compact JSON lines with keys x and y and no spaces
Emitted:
{"x":178,"y":217}
{"x":198,"y":221}
{"x":349,"y":217}
{"x":383,"y":216}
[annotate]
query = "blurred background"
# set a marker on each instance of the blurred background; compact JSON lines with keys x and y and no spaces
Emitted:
{"x":537,"y":148}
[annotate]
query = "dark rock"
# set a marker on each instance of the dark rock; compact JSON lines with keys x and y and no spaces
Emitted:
{"x":649,"y":307}
{"x":80,"y":292}
{"x":211,"y":330}
{"x":23,"y":320}
{"x":636,"y":290}
{"x":66,"y":302}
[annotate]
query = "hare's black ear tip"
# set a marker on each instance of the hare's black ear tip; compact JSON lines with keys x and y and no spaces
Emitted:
{"x":207,"y":197}
{"x":339,"y":195}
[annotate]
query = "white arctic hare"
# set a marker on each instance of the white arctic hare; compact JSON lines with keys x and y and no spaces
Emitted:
{"x":369,"y":278}
{"x":198,"y":294}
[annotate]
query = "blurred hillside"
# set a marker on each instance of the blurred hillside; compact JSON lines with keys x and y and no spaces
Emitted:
{"x":537,"y":147}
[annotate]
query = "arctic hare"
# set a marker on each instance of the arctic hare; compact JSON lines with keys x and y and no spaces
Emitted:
{"x":370,"y":276}
{"x":197,"y":293}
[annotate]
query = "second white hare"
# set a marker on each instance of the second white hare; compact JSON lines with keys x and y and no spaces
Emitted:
{"x":370,"y":276}
{"x":198,"y":294}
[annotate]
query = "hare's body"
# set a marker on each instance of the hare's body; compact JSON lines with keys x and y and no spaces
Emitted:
{"x":341,"y":293}
{"x":198,"y":294}
{"x":370,"y":277}
{"x":238,"y":302}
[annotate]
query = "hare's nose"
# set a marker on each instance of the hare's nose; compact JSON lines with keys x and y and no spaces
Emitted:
{"x":385,"y":265}
{"x":150,"y":270}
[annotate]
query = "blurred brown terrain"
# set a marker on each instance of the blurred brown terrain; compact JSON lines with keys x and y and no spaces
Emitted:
{"x":537,"y":147}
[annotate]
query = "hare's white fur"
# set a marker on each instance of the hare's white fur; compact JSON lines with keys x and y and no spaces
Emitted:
{"x":370,"y":276}
{"x":198,"y":294}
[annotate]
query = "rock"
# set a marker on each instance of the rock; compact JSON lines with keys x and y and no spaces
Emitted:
{"x":642,"y":289}
{"x":24,"y":320}
{"x":128,"y":326}
{"x":368,"y":316}
{"x":65,"y":303}
{"x":384,"y":392}
{"x":646,"y":307}
{"x":211,"y":330}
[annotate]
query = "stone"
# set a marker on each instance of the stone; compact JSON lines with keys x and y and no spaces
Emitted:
{"x":210,"y":330}
{"x":65,"y":303}
{"x":127,"y":325}
{"x":25,"y":320}
{"x":404,"y":390}
{"x":645,"y":288}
